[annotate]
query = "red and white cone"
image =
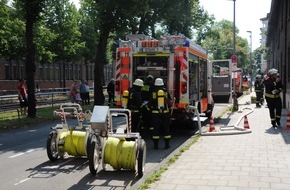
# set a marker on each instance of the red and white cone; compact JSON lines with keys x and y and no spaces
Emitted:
{"x":288,"y":122}
{"x":211,"y":127}
{"x":246,"y":123}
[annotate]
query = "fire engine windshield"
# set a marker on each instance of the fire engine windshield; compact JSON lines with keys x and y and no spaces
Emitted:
{"x":150,"y":65}
{"x":221,"y":68}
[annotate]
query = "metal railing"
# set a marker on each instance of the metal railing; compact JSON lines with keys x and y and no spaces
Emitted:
{"x":48,"y":97}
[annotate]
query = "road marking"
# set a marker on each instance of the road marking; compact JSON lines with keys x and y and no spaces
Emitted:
{"x":24,"y":180}
{"x":22,"y":153}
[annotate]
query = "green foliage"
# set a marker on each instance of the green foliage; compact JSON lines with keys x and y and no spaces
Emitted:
{"x":182,"y":16}
{"x":12,"y":34}
{"x":61,"y":18}
{"x":220,"y":36}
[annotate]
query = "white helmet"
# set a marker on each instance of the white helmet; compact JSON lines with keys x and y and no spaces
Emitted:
{"x":159,"y":82}
{"x":272,"y":71}
{"x":138,"y":82}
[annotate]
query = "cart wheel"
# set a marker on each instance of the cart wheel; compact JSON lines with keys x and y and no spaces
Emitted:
{"x":94,"y":154}
{"x":141,"y":158}
{"x":89,"y":140}
{"x":51,"y":146}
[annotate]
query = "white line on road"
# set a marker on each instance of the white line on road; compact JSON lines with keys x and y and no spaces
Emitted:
{"x":22,"y":181}
{"x":22,"y":153}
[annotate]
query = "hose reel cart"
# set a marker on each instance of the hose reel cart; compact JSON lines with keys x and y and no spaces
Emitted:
{"x":120,"y":148}
{"x":71,"y":139}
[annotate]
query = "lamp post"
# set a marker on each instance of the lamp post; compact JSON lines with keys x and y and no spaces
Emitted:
{"x":235,"y":98}
{"x":251,"y":66}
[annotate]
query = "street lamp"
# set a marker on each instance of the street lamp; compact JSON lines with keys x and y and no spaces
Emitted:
{"x":251,"y":72}
{"x":235,"y":98}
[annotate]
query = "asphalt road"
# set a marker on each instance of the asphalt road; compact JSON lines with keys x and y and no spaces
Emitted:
{"x":25,"y":165}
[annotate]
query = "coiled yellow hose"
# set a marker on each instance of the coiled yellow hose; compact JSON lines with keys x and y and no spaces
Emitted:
{"x":74,"y":142}
{"x":120,"y":153}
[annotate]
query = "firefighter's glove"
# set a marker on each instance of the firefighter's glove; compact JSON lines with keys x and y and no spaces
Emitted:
{"x":275,"y":91}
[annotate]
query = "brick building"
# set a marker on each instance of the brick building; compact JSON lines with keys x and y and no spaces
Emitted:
{"x":48,"y":76}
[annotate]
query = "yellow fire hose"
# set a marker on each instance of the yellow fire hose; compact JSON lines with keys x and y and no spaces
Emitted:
{"x":120,"y":153}
{"x":74,"y":142}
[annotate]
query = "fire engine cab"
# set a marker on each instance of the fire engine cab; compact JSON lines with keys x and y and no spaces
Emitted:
{"x":182,"y":64}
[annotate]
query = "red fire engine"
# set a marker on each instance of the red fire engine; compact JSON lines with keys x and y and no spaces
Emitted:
{"x":182,"y":64}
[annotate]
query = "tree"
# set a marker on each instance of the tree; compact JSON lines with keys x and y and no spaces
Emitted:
{"x":220,"y":36}
{"x":89,"y":31}
{"x":32,"y":10}
{"x":182,"y":16}
{"x":113,"y":17}
{"x":62,"y":19}
{"x":12,"y":33}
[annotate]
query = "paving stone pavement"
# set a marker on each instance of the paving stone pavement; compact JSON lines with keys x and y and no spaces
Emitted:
{"x":259,"y":160}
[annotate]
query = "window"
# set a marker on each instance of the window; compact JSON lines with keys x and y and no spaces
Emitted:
{"x":7,"y":72}
{"x":15,"y":72}
{"x":57,"y":75}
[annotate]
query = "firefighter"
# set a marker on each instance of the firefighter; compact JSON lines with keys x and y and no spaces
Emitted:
{"x":259,"y":90}
{"x":135,"y":103}
{"x":146,"y":92}
{"x":147,"y":88}
{"x":272,"y":96}
{"x":159,"y":104}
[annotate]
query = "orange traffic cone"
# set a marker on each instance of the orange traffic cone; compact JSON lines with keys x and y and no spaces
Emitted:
{"x":288,"y":122}
{"x":246,"y":123}
{"x":211,"y":127}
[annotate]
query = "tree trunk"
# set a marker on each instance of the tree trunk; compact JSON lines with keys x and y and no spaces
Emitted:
{"x":30,"y":66}
{"x":99,"y":97}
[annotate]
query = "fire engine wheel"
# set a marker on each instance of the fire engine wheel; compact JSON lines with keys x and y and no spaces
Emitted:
{"x":51,"y":146}
{"x":141,"y":159}
{"x":94,"y":154}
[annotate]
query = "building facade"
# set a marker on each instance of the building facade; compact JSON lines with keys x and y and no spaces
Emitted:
{"x":278,"y":42}
{"x":49,"y":76}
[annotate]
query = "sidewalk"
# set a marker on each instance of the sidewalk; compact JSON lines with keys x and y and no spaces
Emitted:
{"x":257,"y":160}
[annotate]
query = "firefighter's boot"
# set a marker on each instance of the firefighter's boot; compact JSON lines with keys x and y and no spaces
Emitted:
{"x":167,"y":146}
{"x":155,"y":144}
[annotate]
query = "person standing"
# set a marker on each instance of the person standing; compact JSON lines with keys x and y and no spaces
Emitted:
{"x":111,"y":91}
{"x":87,"y":93}
{"x":159,"y":104}
{"x":83,"y":91}
{"x":273,"y":87}
{"x":135,"y":103}
{"x":259,"y":90}
{"x":22,"y":96}
{"x":75,"y":92}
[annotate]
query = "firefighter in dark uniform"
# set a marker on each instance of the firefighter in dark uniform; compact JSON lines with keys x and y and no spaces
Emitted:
{"x":259,"y":90}
{"x":272,"y":96}
{"x":146,"y":91}
{"x":135,"y":103}
{"x":159,"y":105}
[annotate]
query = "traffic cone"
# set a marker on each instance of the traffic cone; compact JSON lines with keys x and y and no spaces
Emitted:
{"x":288,"y":122}
{"x":211,"y":127}
{"x":246,"y":123}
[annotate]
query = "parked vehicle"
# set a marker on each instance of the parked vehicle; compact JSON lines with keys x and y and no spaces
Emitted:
{"x":182,"y":64}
